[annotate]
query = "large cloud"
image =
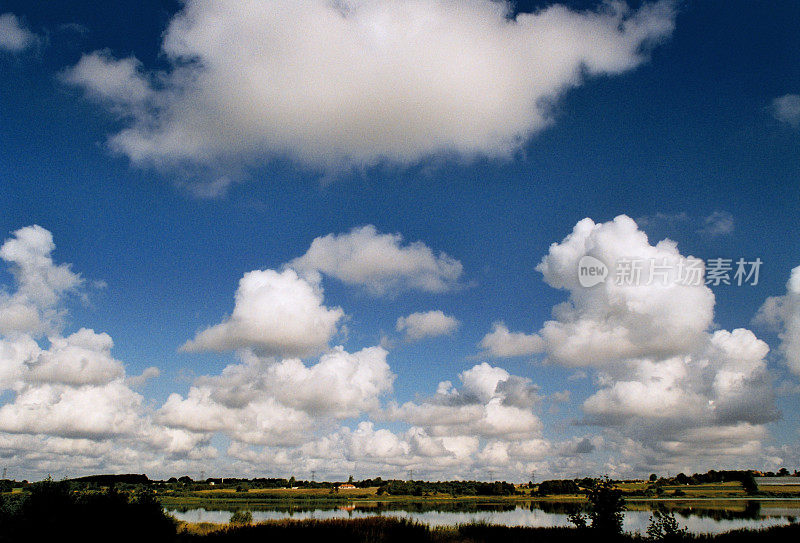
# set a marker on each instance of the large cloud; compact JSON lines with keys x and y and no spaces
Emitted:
{"x":726,"y":383}
{"x":265,"y":401}
{"x":277,"y":313}
{"x":381,"y":263}
{"x":678,"y":403}
{"x":783,"y":312}
{"x":83,"y":358}
{"x":491,"y":403}
{"x":88,"y":411}
{"x":666,"y":379}
{"x":487,"y":423}
{"x":68,"y":404}
{"x":662,"y":315}
{"x":337,"y":84}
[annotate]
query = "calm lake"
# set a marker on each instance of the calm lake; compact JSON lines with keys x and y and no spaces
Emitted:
{"x":698,"y":519}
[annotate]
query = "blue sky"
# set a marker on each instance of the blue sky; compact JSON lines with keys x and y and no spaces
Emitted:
{"x":671,"y":121}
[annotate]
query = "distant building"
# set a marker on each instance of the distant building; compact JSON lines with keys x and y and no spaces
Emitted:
{"x":346,"y":486}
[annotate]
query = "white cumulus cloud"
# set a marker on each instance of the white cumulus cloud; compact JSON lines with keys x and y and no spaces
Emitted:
{"x":381,"y":263}
{"x":502,"y":343}
{"x":665,"y":378}
{"x":428,"y":324}
{"x":662,"y":314}
{"x":491,"y":403}
{"x":783,"y":312}
{"x":265,"y":401}
{"x":115,"y":81}
{"x":41,"y":285}
{"x":277,"y":313}
{"x":67,"y":404}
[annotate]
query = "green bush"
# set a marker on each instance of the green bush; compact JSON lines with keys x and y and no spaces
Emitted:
{"x":241,"y":517}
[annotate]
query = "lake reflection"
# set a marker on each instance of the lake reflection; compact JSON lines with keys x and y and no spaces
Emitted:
{"x":696,"y":519}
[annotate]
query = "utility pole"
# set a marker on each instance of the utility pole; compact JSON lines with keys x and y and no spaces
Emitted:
{"x":5,"y":472}
{"x":491,"y":476}
{"x":313,"y":475}
{"x":411,"y":475}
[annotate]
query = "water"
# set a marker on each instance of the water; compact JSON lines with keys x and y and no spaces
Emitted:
{"x":751,"y":514}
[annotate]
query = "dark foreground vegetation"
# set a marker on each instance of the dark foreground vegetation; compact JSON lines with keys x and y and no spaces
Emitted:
{"x":50,"y":511}
{"x":389,"y":530}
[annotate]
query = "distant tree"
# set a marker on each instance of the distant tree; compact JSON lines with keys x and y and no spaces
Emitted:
{"x":292,"y":482}
{"x":783,"y":472}
{"x":350,"y":479}
{"x":682,"y":479}
{"x":653,"y":477}
{"x":558,"y":486}
{"x":749,"y":483}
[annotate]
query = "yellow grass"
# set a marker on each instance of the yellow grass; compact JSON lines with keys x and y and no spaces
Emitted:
{"x":630,"y":487}
{"x":199,"y":528}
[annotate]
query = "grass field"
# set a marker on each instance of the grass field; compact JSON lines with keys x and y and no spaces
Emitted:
{"x":713,"y":490}
{"x":780,"y":489}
